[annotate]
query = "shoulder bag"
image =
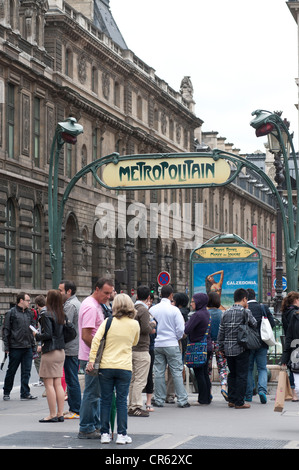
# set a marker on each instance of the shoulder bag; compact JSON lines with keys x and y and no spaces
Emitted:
{"x":267,"y":334}
{"x":248,"y":337}
{"x":94,"y":372}
{"x":196,"y":353}
{"x":69,"y":331}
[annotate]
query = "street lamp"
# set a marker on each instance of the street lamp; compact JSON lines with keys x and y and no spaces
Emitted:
{"x":281,"y":145}
{"x":168,"y":260}
{"x":129,"y":246}
{"x":148,"y":256}
{"x":66,"y":131}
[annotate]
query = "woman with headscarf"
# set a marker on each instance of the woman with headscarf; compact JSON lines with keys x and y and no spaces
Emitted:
{"x":196,"y":328}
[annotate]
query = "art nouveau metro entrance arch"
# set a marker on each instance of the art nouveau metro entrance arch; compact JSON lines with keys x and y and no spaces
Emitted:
{"x":163,"y":171}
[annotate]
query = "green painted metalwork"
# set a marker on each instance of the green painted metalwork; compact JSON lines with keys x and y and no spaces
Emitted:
{"x":290,"y":224}
{"x":65,"y":131}
{"x":236,"y":162}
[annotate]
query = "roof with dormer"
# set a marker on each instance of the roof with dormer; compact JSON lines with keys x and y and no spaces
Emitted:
{"x":104,"y":20}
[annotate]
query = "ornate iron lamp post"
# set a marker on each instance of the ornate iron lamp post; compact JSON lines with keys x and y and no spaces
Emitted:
{"x":129,"y":247}
{"x":66,"y":131}
{"x":148,"y":254}
{"x":281,"y":145}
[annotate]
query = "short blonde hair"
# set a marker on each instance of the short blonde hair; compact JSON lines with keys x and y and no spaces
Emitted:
{"x":123,"y":305}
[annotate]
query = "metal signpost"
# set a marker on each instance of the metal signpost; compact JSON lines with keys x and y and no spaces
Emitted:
{"x":163,"y":278}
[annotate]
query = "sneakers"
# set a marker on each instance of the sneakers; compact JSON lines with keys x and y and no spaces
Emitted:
{"x":121,"y":439}
{"x":159,"y":405}
{"x":6,"y":397}
{"x":170,"y":400}
{"x":29,"y":397}
{"x":186,"y":405}
{"x":89,"y":435}
{"x":138,"y":412}
{"x":40,"y":383}
{"x":263,"y":398}
{"x":105,"y":438}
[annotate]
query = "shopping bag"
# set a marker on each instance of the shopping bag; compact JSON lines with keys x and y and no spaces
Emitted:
{"x":267,"y":334}
{"x":282,"y":390}
{"x":288,"y":393}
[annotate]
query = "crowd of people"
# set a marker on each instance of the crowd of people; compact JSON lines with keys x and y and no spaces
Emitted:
{"x":144,"y":352}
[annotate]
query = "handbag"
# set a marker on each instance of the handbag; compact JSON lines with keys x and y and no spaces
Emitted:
{"x":69,"y":331}
{"x":94,"y":372}
{"x":196,"y":353}
{"x":283,"y":391}
{"x":267,"y":334}
{"x":248,"y":337}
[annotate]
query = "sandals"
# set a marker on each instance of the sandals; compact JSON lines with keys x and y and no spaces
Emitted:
{"x":224,"y":394}
{"x":149,"y":408}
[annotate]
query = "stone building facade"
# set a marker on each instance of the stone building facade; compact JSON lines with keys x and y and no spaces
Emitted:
{"x":61,"y":59}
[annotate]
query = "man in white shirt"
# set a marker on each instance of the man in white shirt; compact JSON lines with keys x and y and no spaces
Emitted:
{"x":170,"y":329}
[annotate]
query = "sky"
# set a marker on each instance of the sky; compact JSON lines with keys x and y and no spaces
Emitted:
{"x":240,"y":56}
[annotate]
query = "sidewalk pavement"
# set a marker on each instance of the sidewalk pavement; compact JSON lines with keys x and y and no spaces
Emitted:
{"x":215,"y":426}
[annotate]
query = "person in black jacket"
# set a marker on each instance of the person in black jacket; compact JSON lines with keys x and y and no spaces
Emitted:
{"x":289,"y":306}
{"x":53,"y":354}
{"x":19,"y":344}
{"x":258,"y":355}
{"x":292,"y":343}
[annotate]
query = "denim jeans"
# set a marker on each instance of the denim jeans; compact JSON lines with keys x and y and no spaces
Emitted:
{"x":119,"y":380}
{"x":260,"y":357}
{"x":18,"y":356}
{"x":90,"y":404}
{"x":172,"y":356}
{"x":71,"y":367}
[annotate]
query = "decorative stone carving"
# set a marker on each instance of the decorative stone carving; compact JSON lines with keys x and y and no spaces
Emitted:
{"x":187,"y":89}
{"x":106,"y":85}
{"x":178,"y":133}
{"x":82,"y":68}
{"x":163,"y":122}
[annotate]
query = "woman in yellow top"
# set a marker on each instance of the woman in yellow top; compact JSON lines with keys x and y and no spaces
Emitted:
{"x":116,"y":365}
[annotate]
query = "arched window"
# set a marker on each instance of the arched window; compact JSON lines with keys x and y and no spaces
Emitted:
{"x":13,"y":19}
{"x":84,"y":161}
{"x":117,"y":94}
{"x":156,"y":119}
{"x":139,"y":108}
{"x":94,"y":80}
{"x":171,"y":129}
{"x":36,"y":250}
{"x":69,"y":62}
{"x":69,"y":161}
{"x":10,"y":244}
{"x":11,"y":112}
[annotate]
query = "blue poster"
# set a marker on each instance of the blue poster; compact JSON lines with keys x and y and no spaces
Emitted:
{"x":224,"y":278}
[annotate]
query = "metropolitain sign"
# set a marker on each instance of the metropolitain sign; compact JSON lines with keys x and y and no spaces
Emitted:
{"x":169,"y":170}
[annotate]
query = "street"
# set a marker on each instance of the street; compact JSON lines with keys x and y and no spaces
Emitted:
{"x":182,"y":431}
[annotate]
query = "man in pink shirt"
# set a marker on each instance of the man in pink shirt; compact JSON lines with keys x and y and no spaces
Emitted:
{"x":90,"y":317}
